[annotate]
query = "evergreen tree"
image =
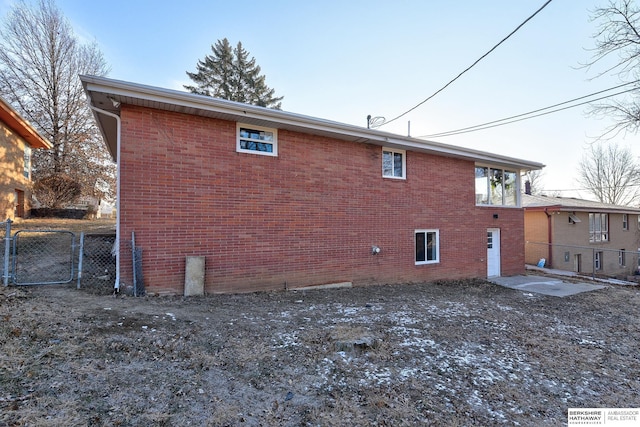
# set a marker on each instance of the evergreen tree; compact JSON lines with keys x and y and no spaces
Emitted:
{"x":231,"y":74}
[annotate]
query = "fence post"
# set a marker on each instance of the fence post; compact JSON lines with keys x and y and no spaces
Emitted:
{"x":133,"y":261}
{"x":80,"y":258}
{"x":7,"y":251}
{"x":593,"y":264}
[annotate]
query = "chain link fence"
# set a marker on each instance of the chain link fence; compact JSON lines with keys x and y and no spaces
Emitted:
{"x":596,"y":261}
{"x":5,"y":250}
{"x":42,"y":257}
{"x":47,"y":256}
{"x":97,"y":263}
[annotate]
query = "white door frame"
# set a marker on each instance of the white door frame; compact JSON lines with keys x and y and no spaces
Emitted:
{"x":493,"y":252}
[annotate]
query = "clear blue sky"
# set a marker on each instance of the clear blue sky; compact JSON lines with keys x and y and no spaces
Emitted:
{"x":342,"y":60}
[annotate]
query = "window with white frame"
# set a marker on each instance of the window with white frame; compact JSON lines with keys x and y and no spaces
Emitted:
{"x":394,"y":163}
{"x":597,"y":260}
{"x":427,"y":246}
{"x":27,"y":162}
{"x":257,"y":140}
{"x":598,"y":227}
{"x":625,"y":221}
{"x":622,"y":259}
{"x":496,"y":186}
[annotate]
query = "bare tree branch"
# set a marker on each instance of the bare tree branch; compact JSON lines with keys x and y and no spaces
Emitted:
{"x":534,"y":178}
{"x":40,"y":60}
{"x":618,"y":40}
{"x":611,"y":174}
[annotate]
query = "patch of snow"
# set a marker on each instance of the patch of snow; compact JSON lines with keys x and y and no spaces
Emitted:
{"x":379,"y":376}
{"x":285,"y":340}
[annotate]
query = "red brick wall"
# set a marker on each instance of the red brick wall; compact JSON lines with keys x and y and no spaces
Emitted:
{"x":308,"y":216}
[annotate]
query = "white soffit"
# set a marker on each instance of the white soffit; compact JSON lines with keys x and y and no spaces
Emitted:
{"x":104,"y":92}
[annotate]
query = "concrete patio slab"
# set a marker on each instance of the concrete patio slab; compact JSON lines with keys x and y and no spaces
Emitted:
{"x":544,"y":285}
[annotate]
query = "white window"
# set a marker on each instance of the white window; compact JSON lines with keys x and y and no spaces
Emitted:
{"x":495,"y":186}
{"x":27,"y":162}
{"x":625,"y":221}
{"x":622,"y":259}
{"x":427,"y":246}
{"x":598,"y":227}
{"x":257,"y":140}
{"x":394,"y":163}
{"x":598,"y":260}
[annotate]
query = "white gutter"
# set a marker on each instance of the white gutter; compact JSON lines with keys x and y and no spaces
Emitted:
{"x":116,"y":285}
{"x":129,"y":92}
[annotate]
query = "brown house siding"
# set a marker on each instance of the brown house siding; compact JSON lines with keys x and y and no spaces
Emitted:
{"x":12,"y":173}
{"x":308,"y":216}
{"x":571,"y":239}
{"x":536,"y":237}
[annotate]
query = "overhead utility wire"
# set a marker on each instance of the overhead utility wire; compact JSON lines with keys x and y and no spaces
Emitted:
{"x":536,"y":115}
{"x":470,"y":66}
{"x":589,"y":189}
{"x":496,"y":123}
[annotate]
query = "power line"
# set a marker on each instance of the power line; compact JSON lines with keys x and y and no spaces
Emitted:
{"x":605,"y":187}
{"x":471,"y":66}
{"x":531,"y":114}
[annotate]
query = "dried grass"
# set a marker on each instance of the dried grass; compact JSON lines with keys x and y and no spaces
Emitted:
{"x":462,"y":353}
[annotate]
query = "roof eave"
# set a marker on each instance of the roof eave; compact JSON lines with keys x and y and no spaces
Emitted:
{"x":22,"y":127}
{"x":124,"y":92}
{"x":590,"y":209}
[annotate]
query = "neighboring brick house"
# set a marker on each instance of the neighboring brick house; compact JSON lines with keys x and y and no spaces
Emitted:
{"x":277,"y":200}
{"x":17,"y":139}
{"x":581,"y":235}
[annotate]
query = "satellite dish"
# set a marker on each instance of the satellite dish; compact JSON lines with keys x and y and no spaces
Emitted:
{"x":375,"y":122}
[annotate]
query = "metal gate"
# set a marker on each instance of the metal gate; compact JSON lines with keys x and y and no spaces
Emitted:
{"x":43,"y":257}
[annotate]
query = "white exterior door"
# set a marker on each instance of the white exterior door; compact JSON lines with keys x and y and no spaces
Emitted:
{"x":493,"y":252}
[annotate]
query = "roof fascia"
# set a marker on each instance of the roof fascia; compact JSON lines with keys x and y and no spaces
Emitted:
{"x":591,"y":209}
{"x":245,"y":111}
{"x":22,"y":127}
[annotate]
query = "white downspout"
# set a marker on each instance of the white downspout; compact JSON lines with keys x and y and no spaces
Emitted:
{"x":116,"y":285}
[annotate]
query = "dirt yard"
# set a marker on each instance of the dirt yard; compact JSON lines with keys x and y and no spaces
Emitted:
{"x":455,"y":354}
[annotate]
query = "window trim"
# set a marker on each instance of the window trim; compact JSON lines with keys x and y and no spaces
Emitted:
{"x":27,"y":162}
{"x":504,"y":191}
{"x":404,"y":162}
{"x":597,"y":260}
{"x":598,"y":234}
{"x":273,"y":143}
{"x":436,"y":233}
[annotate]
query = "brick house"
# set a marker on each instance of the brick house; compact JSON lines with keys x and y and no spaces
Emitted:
{"x":17,"y":139}
{"x":581,"y":235}
{"x":277,"y":200}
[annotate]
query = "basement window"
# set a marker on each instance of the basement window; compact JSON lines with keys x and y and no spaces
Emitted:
{"x":257,"y":140}
{"x":427,"y":247}
{"x":597,"y":260}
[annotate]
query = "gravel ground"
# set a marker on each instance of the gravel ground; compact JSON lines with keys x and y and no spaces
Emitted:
{"x":450,"y":353}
